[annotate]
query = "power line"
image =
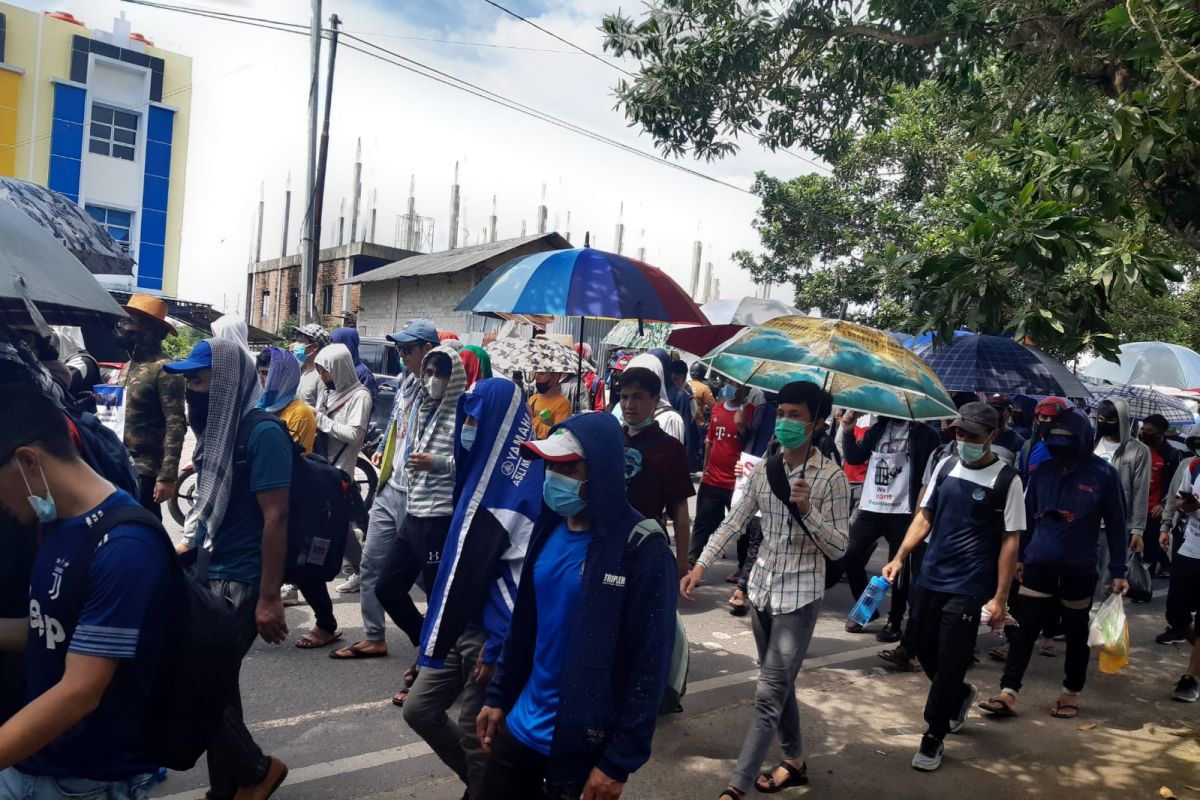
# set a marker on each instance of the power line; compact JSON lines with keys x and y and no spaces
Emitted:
{"x":471,"y":44}
{"x":554,"y":35}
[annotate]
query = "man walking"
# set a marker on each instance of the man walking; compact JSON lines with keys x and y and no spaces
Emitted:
{"x":722,"y":448}
{"x":973,"y":513}
{"x":804,"y":500}
{"x":1183,"y":595}
{"x":1164,"y":460}
{"x":1131,"y":459}
{"x":154,"y":401}
{"x":311,"y":338}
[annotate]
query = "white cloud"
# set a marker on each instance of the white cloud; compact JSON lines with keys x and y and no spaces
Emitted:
{"x":249,"y":89}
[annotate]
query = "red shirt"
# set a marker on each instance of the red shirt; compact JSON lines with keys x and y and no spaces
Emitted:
{"x":1156,"y":479}
{"x":856,"y":473}
{"x":725,"y":447}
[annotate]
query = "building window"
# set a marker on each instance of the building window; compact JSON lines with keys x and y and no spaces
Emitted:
{"x":327,"y":299}
{"x":266,"y":304}
{"x":293,"y":302}
{"x":113,"y":132}
{"x":119,"y":224}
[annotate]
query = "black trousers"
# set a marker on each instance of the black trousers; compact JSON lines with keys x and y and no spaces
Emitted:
{"x":946,"y":631}
{"x":1069,"y":597}
{"x":416,"y":552}
{"x":316,"y":594}
{"x":1183,"y":594}
{"x":146,"y":494}
{"x":514,"y":772}
{"x":866,"y":529}
{"x":711,"y":505}
{"x":753,"y":537}
{"x":1153,"y":554}
{"x":916,"y":604}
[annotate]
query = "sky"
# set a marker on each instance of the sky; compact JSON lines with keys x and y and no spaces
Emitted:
{"x":249,"y":116}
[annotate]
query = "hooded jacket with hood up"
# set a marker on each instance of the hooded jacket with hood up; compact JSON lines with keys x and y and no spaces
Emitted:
{"x":1132,"y":462}
{"x":349,"y":337}
{"x":1065,"y":505}
{"x":343,"y":412}
{"x":619,"y":652}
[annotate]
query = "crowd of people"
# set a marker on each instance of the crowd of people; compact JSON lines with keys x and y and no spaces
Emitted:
{"x":533,"y":511}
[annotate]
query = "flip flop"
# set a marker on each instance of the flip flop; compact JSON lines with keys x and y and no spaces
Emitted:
{"x":998,"y":654}
{"x":1063,"y":710}
{"x":307,"y":642}
{"x":997,"y":708}
{"x":796,"y":777}
{"x":899,"y":659}
{"x":353,"y":652}
{"x":399,"y":698}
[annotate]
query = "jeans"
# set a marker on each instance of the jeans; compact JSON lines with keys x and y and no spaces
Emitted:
{"x":234,"y":759}
{"x":435,"y":691}
{"x":866,"y":529}
{"x":1045,"y":593}
{"x":16,"y":785}
{"x":782,"y":641}
{"x":946,"y":630}
{"x":416,"y":552}
{"x":146,"y":494}
{"x":387,"y":515}
{"x":711,"y":505}
{"x":1183,"y":594}
{"x":514,"y":772}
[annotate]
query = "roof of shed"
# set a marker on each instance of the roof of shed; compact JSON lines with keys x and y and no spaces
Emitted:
{"x":457,"y":260}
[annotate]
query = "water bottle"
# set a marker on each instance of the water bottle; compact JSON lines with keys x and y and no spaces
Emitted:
{"x":871,"y":598}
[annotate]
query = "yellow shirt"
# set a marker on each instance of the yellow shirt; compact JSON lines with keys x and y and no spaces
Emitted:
{"x":301,"y":423}
{"x":547,"y":412}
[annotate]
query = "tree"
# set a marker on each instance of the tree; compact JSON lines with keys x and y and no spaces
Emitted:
{"x":1083,"y":115}
{"x":177,"y":346}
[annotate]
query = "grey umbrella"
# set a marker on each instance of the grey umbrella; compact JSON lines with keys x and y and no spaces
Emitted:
{"x":40,"y":281}
{"x":85,"y":238}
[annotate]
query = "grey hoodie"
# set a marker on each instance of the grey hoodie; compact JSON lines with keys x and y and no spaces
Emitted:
{"x":431,"y":494}
{"x":1132,"y":462}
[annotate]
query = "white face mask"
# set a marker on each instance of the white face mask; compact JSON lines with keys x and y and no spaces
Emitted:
{"x":436,"y":387}
{"x":44,"y":508}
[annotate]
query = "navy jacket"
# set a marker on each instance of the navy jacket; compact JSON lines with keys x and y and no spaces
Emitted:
{"x":1065,"y":506}
{"x":619,"y":654}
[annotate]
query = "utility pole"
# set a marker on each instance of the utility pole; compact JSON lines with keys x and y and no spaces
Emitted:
{"x":287,"y":214}
{"x":308,"y":245}
{"x":310,"y":289}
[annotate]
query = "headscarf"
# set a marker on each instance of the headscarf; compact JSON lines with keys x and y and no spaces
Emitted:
{"x":235,"y":391}
{"x":233,"y":328}
{"x":497,"y":496}
{"x":485,"y":360}
{"x":679,"y":398}
{"x":349,"y":338}
{"x":470,"y":363}
{"x":283,"y":379}
{"x":335,"y":359}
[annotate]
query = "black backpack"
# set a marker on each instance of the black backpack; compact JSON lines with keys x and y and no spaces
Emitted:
{"x":321,"y":504}
{"x":103,"y":450}
{"x":198,"y":674}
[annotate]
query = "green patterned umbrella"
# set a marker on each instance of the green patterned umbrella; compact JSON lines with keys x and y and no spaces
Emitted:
{"x":625,"y":334}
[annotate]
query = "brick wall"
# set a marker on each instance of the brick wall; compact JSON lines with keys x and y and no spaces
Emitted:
{"x":388,"y":305}
{"x":280,"y":283}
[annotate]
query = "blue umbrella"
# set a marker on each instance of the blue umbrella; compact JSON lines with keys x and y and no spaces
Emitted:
{"x":997,"y":365}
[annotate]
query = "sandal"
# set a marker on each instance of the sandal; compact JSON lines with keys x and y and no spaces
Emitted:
{"x":1063,"y":710}
{"x":400,"y":697}
{"x":310,"y":641}
{"x":738,"y":609}
{"x":998,"y":654}
{"x":900,"y":659}
{"x":997,"y":707}
{"x":796,"y":777}
{"x":732,"y":794}
{"x":410,"y":676}
{"x":355,"y":652}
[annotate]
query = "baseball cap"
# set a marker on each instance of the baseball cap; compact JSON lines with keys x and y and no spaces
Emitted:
{"x":977,"y":418}
{"x":562,"y":446}
{"x":999,"y":401}
{"x":200,"y":358}
{"x":418,"y":330}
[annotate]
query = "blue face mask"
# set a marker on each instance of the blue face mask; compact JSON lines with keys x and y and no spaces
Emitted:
{"x":727,"y":392}
{"x":467,"y":437}
{"x":301,"y":353}
{"x":562,"y":494}
{"x":44,"y":508}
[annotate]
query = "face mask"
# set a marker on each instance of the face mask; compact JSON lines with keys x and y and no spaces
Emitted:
{"x":300,"y":351}
{"x":1063,"y":453}
{"x":727,"y":392}
{"x":436,"y":387}
{"x":1196,"y":451}
{"x":542,"y":388}
{"x":197,"y":406}
{"x":1106,"y":428}
{"x":44,"y":508}
{"x":640,"y":426}
{"x":126,"y":340}
{"x":970,"y":452}
{"x":791,"y":433}
{"x":562,"y":494}
{"x":467,"y":437}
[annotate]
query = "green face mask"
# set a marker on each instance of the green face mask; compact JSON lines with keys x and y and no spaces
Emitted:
{"x":791,"y":433}
{"x":971,"y":452}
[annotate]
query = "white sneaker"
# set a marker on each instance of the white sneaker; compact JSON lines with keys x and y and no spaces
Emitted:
{"x":290,"y":595}
{"x":929,"y":757}
{"x":351,"y":586}
{"x":960,"y":722}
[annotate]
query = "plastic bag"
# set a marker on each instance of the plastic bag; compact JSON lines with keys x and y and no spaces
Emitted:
{"x":1110,"y":632}
{"x":1141,"y":590}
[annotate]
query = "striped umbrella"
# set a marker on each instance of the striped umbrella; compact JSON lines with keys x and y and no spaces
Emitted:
{"x":1144,"y":401}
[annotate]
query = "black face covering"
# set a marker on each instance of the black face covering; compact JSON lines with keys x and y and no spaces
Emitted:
{"x":542,"y":388}
{"x":1063,"y":453}
{"x":330,"y":385}
{"x":1107,"y":428}
{"x":197,"y":406}
{"x":126,"y":340}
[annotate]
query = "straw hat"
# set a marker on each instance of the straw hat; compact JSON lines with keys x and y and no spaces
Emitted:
{"x":145,"y":306}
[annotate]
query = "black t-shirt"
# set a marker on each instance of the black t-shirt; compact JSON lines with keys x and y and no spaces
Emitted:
{"x":656,"y":472}
{"x":17,"y":548}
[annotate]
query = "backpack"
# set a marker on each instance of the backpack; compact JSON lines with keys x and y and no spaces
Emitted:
{"x":102,"y":449}
{"x":198,"y":674}
{"x":648,"y":530}
{"x":321,"y":505}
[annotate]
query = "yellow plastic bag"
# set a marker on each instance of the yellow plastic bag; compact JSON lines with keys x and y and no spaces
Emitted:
{"x":1115,"y":657}
{"x":1110,"y":632}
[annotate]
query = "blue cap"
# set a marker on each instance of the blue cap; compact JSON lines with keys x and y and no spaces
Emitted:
{"x":418,"y":330}
{"x":200,"y":358}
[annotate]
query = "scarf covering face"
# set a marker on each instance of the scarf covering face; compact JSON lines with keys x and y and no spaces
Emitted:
{"x":235,"y":391}
{"x":485,"y":361}
{"x":233,"y":328}
{"x":283,"y":379}
{"x":498,"y":496}
{"x":336,"y":360}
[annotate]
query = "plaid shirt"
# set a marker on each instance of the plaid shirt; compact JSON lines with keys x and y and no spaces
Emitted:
{"x":790,"y":570}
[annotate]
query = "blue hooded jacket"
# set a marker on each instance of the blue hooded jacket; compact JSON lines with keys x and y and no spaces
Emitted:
{"x":1065,"y":506}
{"x":619,"y":653}
{"x":349,"y":338}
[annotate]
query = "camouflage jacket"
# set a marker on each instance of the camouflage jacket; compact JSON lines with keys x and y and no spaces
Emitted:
{"x":155,"y":422}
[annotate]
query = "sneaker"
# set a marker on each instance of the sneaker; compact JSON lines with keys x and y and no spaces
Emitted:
{"x":888,"y":633}
{"x":960,"y":721}
{"x":1187,"y":690}
{"x":350,"y":586}
{"x":1048,"y":648}
{"x":290,"y":595}
{"x":1170,"y":635}
{"x":854,"y":627}
{"x":929,"y":757}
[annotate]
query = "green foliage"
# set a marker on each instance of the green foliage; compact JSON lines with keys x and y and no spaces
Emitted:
{"x":177,"y":346}
{"x":287,"y":326}
{"x":1014,"y":165}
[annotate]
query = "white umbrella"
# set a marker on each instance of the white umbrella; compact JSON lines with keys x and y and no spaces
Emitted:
{"x":534,"y":355}
{"x":1150,"y":363}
